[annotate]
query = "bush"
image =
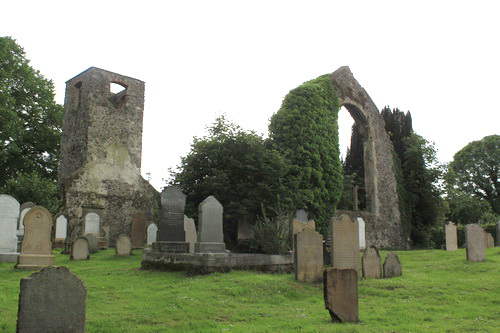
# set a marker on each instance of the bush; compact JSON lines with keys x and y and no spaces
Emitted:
{"x":272,"y":234}
{"x":436,"y":234}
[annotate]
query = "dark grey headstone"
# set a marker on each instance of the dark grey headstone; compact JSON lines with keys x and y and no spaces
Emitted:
{"x":340,"y":288}
{"x":171,"y":226}
{"x":52,"y":300}
{"x":392,"y":265}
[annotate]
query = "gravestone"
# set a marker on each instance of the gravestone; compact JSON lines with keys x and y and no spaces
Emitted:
{"x":25,"y":207}
{"x":489,"y":240}
{"x":123,"y":246}
{"x":301,"y":215}
{"x":340,"y":289}
{"x":362,"y":235}
{"x":299,"y":225}
{"x":92,"y":223}
{"x":152,"y":230}
{"x":103,"y":242}
{"x":450,"y":232}
{"x":372,"y":263}
{"x":61,"y":227}
{"x":81,"y":249}
{"x":9,"y":215}
{"x":210,"y":236}
{"x":474,"y":238}
{"x":36,"y":249}
{"x":92,"y":239}
{"x":345,"y":243}
{"x":52,"y":300}
{"x":245,"y":230}
{"x":171,"y":237}
{"x":308,"y":253}
{"x":138,"y":230}
{"x":191,"y":235}
{"x":392,"y":265}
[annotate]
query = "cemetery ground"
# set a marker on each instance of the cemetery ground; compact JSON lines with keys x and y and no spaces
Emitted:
{"x":439,"y":291}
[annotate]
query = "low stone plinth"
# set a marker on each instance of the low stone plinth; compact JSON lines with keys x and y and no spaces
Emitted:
{"x":9,"y":257}
{"x":205,"y":263}
{"x":34,"y":262}
{"x":171,"y":247}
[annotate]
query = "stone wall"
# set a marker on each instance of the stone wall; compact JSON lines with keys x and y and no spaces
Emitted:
{"x":101,"y":149}
{"x":383,"y":223}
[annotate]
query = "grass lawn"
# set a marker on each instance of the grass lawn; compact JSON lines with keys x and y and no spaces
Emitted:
{"x":439,"y":291}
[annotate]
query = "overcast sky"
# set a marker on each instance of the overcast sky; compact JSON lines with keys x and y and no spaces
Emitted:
{"x":438,"y":59}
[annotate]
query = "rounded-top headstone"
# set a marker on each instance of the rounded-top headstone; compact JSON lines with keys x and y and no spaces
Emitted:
{"x":372,"y":263}
{"x":9,"y":214}
{"x":123,"y":246}
{"x":392,"y":265}
{"x":81,"y":249}
{"x":37,"y":229}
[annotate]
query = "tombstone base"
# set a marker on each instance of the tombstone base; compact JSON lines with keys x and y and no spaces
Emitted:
{"x":58,"y":243}
{"x":102,"y":243}
{"x":210,"y":247}
{"x":171,"y":247}
{"x":33,"y":262}
{"x":9,"y":257}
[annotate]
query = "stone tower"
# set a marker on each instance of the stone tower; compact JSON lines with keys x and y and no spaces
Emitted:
{"x":101,"y":146}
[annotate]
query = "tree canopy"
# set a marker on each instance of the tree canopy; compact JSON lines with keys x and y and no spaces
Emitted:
{"x":238,"y":168}
{"x":305,"y":132}
{"x":30,"y":126}
{"x":475,"y":170}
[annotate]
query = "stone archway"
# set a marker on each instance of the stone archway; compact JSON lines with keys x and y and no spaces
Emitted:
{"x":383,"y":218}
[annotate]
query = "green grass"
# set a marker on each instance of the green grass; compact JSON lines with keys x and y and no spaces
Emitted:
{"x":439,"y":291}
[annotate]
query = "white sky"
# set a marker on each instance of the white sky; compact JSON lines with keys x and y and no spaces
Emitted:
{"x":438,"y":59}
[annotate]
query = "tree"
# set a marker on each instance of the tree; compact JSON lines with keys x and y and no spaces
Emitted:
{"x":475,"y":170}
{"x":238,"y":168}
{"x":305,"y":132}
{"x":30,"y":126}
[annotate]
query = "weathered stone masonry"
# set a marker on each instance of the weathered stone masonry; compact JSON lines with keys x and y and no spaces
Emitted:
{"x":101,"y":149}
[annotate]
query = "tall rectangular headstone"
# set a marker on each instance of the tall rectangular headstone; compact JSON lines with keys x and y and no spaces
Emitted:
{"x":474,"y":238}
{"x":210,"y":235}
{"x":171,"y":237}
{"x":9,"y":215}
{"x":138,"y":230}
{"x":340,"y":289}
{"x":345,"y":243}
{"x":450,"y":232}
{"x":308,"y":253}
{"x":52,"y":300}
{"x":362,"y":235}
{"x":36,"y":249}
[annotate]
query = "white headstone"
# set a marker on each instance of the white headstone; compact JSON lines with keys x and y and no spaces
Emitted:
{"x":362,"y":238}
{"x":152,"y":229}
{"x":61,"y":227}
{"x":25,"y":207}
{"x":9,"y":215}
{"x":92,"y":223}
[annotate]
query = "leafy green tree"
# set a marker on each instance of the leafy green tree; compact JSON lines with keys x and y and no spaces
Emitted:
{"x":467,"y":209}
{"x":475,"y":170}
{"x":305,"y":132}
{"x":30,"y":126}
{"x":238,"y":168}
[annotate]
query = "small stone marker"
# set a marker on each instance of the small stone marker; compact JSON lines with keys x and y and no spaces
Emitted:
{"x":362,"y":235}
{"x":52,"y":300}
{"x":191,"y":235}
{"x":92,"y":223}
{"x":210,"y":236}
{"x":308,"y":254}
{"x":301,"y":215}
{"x":372,"y":263}
{"x":490,"y":240}
{"x":340,"y":288}
{"x":450,"y":232}
{"x":345,"y":243}
{"x":81,"y":249}
{"x":92,"y":239}
{"x":123,"y":246}
{"x":9,"y":214}
{"x":474,"y":238}
{"x":152,"y":229}
{"x":138,"y":230}
{"x":392,"y":265}
{"x":36,"y":249}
